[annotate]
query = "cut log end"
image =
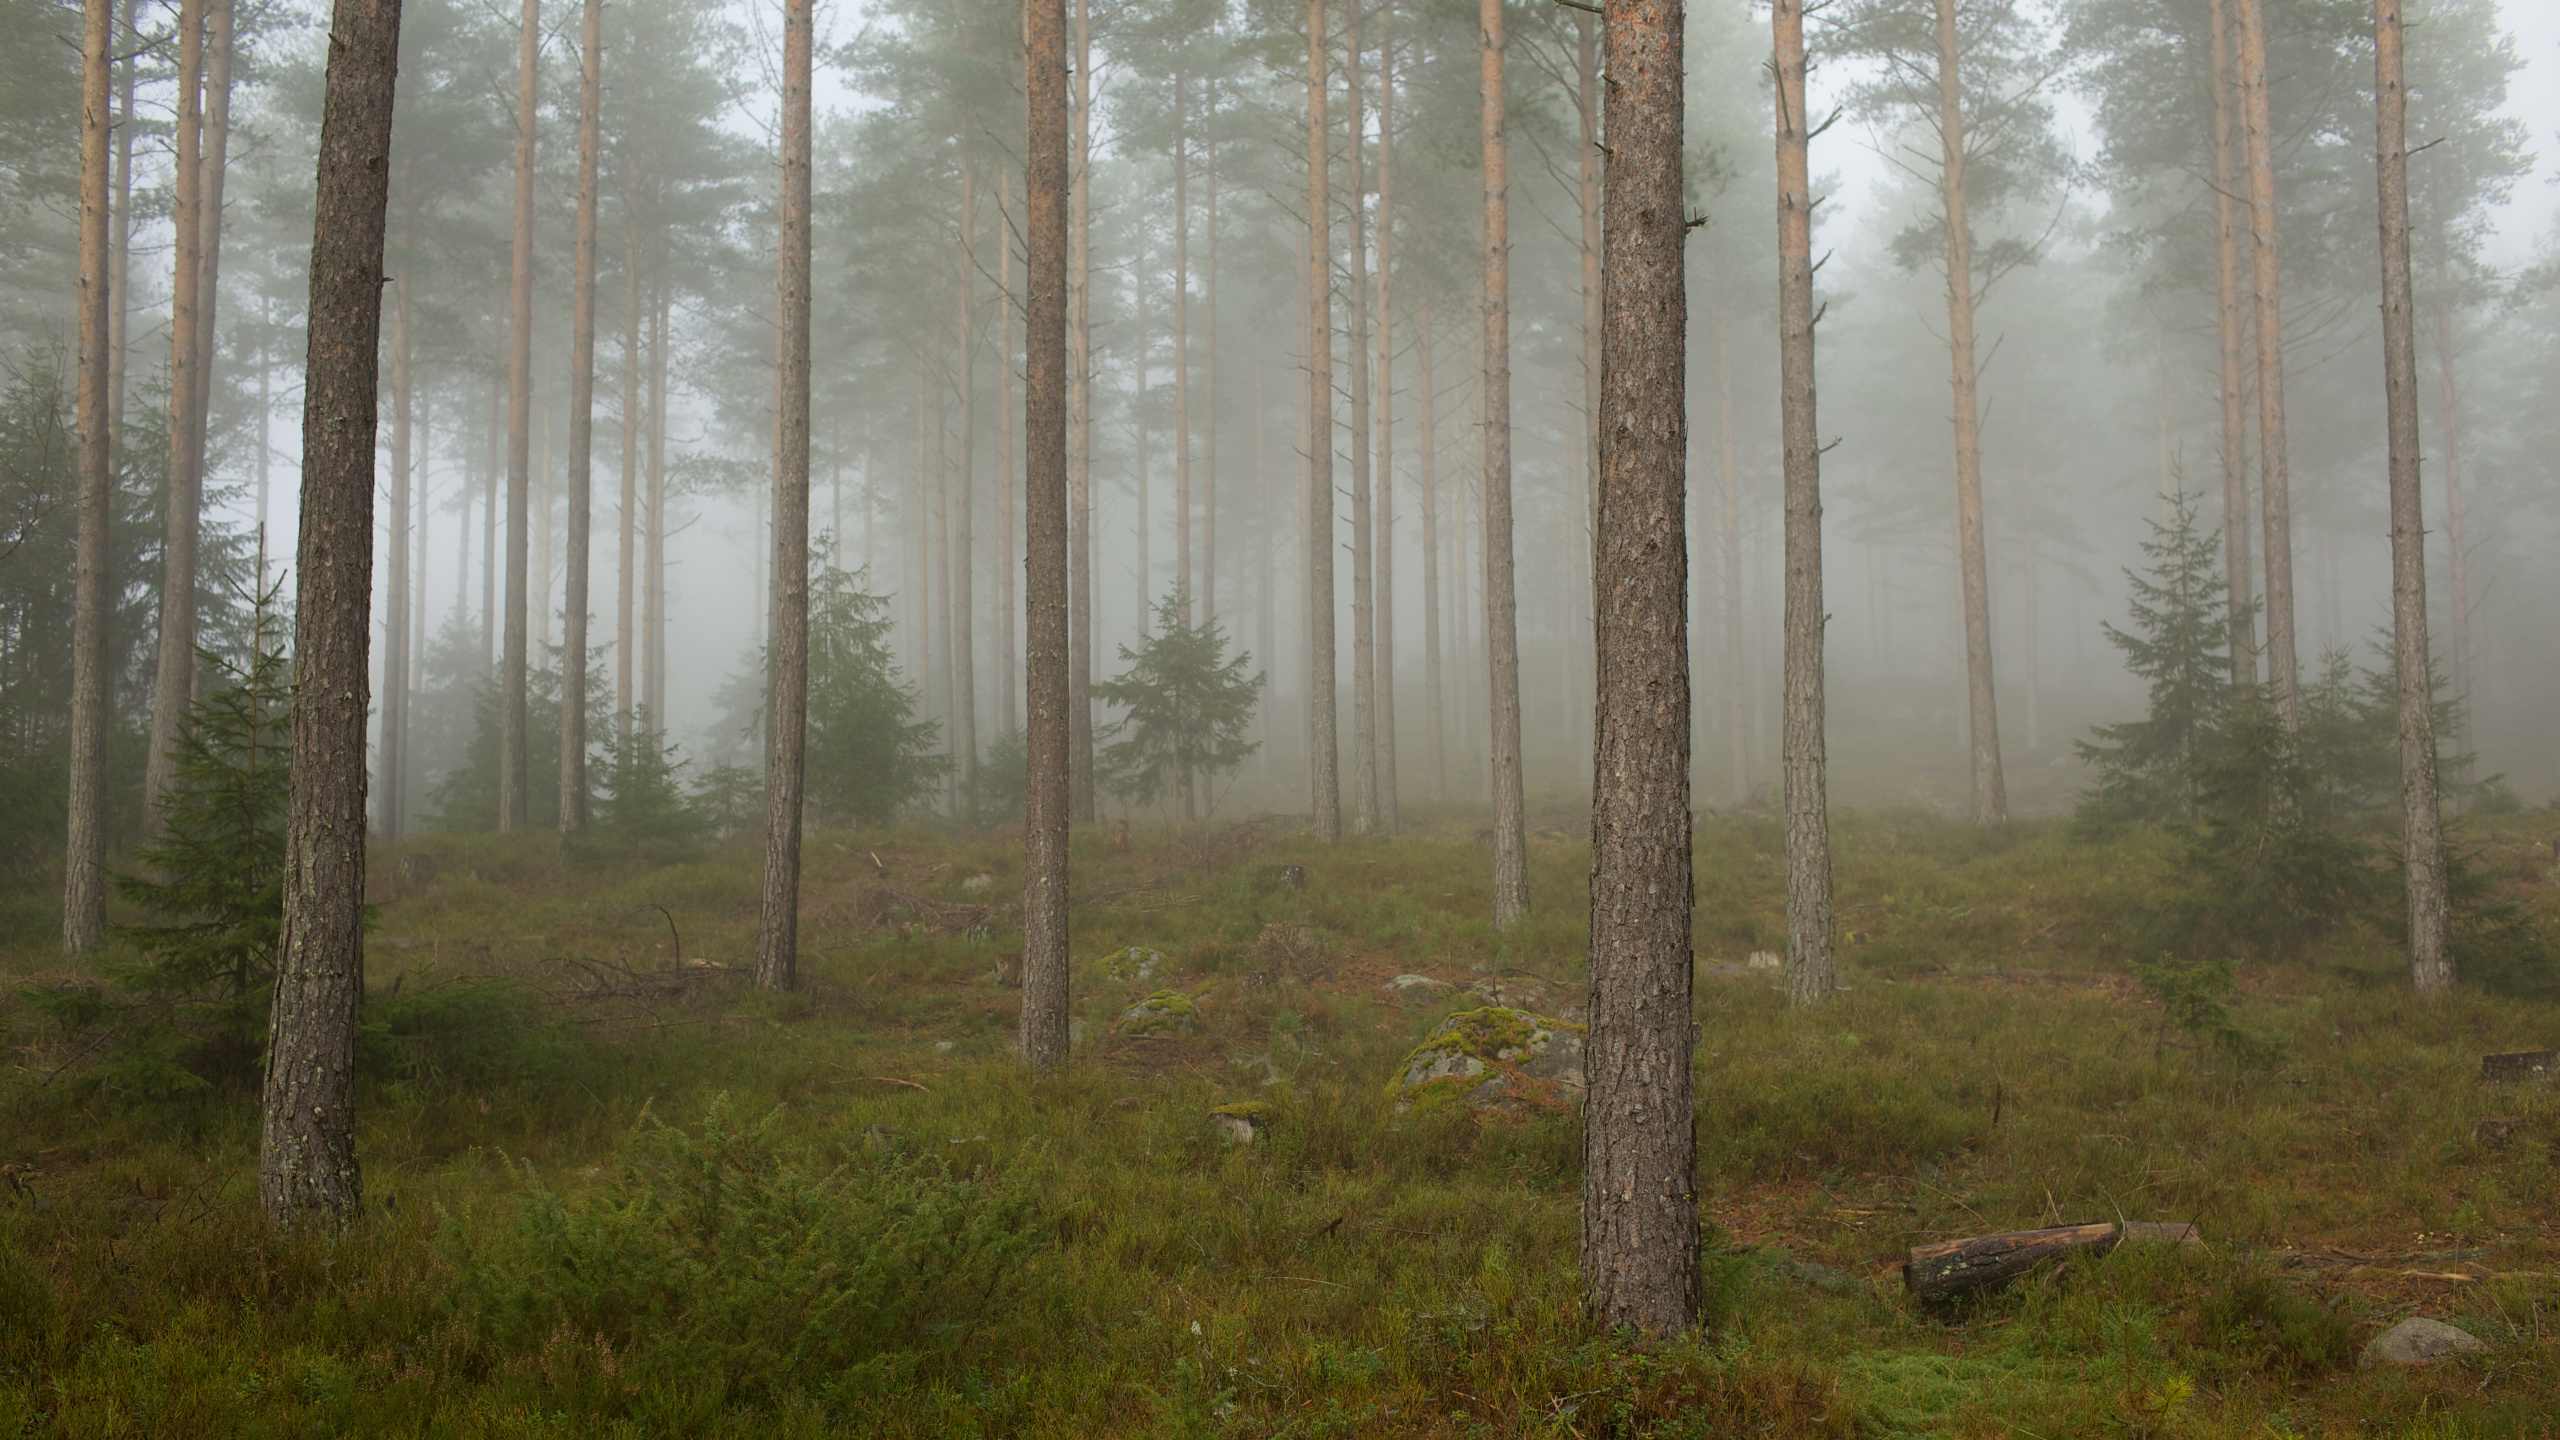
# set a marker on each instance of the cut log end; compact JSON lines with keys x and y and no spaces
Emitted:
{"x":1953,"y":1267}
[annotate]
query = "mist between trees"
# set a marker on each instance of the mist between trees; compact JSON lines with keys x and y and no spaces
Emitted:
{"x":2139,"y":326}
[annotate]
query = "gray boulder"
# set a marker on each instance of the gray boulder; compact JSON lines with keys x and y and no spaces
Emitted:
{"x":2419,"y":1341}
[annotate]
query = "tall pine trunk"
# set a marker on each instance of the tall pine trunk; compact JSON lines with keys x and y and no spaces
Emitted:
{"x":2457,"y":545}
{"x":778,"y":930}
{"x":1737,"y":687}
{"x":1588,"y":103}
{"x":1501,"y":612}
{"x":1182,"y":498}
{"x":2422,"y":857}
{"x":1008,"y":551}
{"x":1382,"y":595}
{"x":1046,"y":384}
{"x":962,"y":577}
{"x":513,"y":786}
{"x":307,"y":1175}
{"x":634,"y":428}
{"x":1810,"y":973}
{"x":120,"y":236}
{"x":2232,"y":381}
{"x":1209,"y":388}
{"x":1364,"y":633}
{"x":173,"y":680}
{"x":1434,"y":687}
{"x":1080,"y":806}
{"x":84,"y":889}
{"x":391,"y":771}
{"x":2274,"y":484}
{"x":653,"y":595}
{"x":582,"y":427}
{"x":1639,"y":1187}
{"x":1990,"y":788}
{"x":1324,"y":777}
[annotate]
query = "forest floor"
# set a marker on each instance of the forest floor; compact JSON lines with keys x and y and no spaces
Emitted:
{"x":550,"y":1037}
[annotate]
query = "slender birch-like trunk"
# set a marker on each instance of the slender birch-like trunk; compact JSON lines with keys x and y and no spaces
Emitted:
{"x":514,"y":788}
{"x":84,"y":888}
{"x":1811,"y":971}
{"x":582,"y":427}
{"x":1501,"y":612}
{"x":2274,"y":485}
{"x":1324,"y":777}
{"x":173,"y":681}
{"x":1047,"y":382}
{"x":787,"y":706}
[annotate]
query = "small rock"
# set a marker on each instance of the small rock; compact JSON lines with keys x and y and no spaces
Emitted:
{"x":1165,"y":1013}
{"x":979,"y":881}
{"x":1405,"y":987}
{"x":1243,"y":1122}
{"x":1137,"y":963}
{"x":2418,"y":1341}
{"x":1764,"y":960}
{"x":942,"y":1046}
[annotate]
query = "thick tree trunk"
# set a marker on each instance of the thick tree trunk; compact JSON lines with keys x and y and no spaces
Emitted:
{"x":1639,"y":1187}
{"x":2239,"y":591}
{"x":1080,"y":799}
{"x":787,"y":705}
{"x":391,"y":765}
{"x":307,"y":1173}
{"x":1434,"y":690}
{"x":2274,"y":485}
{"x":1324,"y":777}
{"x":1382,"y":594}
{"x":1364,"y":634}
{"x":1990,"y":788}
{"x":2458,"y":581}
{"x":1046,"y":383}
{"x":172,"y":685}
{"x":1811,"y":974}
{"x":2422,"y":857}
{"x":582,"y":427}
{"x":1501,"y":613}
{"x":626,"y":566}
{"x":513,"y":786}
{"x":84,"y":890}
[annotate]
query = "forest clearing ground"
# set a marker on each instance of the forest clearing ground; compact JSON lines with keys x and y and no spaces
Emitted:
{"x":1993,"y":1065}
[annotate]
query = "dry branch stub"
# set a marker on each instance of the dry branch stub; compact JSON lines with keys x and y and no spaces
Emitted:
{"x":1952,"y":1267}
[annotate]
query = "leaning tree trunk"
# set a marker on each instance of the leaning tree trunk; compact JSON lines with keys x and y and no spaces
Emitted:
{"x":1324,"y":776}
{"x":84,"y":880}
{"x":787,"y":701}
{"x":512,"y":666}
{"x":2274,"y":485}
{"x":1990,"y":789}
{"x":307,"y":1171}
{"x":2238,"y":592}
{"x":582,"y":428}
{"x":1080,"y":807}
{"x":2422,"y":857}
{"x":1639,"y":1186}
{"x":173,"y":681}
{"x":1810,"y":972}
{"x":1501,"y":614}
{"x":1364,"y":634}
{"x":1047,"y":736}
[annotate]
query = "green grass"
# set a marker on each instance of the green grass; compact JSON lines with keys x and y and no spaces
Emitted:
{"x":534,"y":1056}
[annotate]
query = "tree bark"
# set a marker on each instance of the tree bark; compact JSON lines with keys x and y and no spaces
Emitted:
{"x":626,"y":567}
{"x":1639,"y":1188}
{"x":1047,"y":737}
{"x":173,"y":682}
{"x":1008,"y":552}
{"x":1182,"y":558}
{"x":1501,"y":614}
{"x":1209,"y":388}
{"x":1080,"y":798}
{"x":513,"y":667}
{"x":1737,"y":688}
{"x":653,"y":599}
{"x":390,"y":810}
{"x":1382,"y":594}
{"x":216,"y":145}
{"x":2458,"y":548}
{"x":2274,"y":485}
{"x":962,"y":575}
{"x":1324,"y":777}
{"x":1589,"y":102}
{"x":120,"y":237}
{"x":582,"y":427}
{"x":1434,"y":689}
{"x":1811,"y":972}
{"x":778,"y":930}
{"x":2232,"y":383}
{"x":2422,"y":857}
{"x":307,"y":1174}
{"x":1990,"y":788}
{"x":1364,"y":634}
{"x":84,"y":890}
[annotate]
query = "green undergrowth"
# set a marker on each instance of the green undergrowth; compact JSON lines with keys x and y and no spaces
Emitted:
{"x":611,"y":1190}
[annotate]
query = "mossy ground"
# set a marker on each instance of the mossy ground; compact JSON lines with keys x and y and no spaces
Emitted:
{"x":1356,"y":1272}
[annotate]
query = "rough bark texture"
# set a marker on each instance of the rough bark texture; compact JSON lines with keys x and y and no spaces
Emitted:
{"x":1501,"y":616}
{"x":1810,"y":972}
{"x":1639,"y":1190}
{"x":582,"y":427}
{"x":172,"y":684}
{"x":84,"y":887}
{"x":787,"y":702}
{"x":2233,"y":385}
{"x":307,"y":1173}
{"x":2274,"y":484}
{"x":1990,"y":789}
{"x":2421,"y":821}
{"x":513,"y":667}
{"x":1952,"y":1267}
{"x":1324,"y":777}
{"x":1046,"y":736}
{"x":1080,"y":808}
{"x":1382,"y":518}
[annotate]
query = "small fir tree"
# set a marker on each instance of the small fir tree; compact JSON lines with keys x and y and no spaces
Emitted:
{"x":2146,"y":767}
{"x":641,"y":811}
{"x":869,"y":757}
{"x":1188,"y":707}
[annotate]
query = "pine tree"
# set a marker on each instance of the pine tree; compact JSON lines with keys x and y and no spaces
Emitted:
{"x":1188,"y":708}
{"x":869,"y":757}
{"x":2146,"y":767}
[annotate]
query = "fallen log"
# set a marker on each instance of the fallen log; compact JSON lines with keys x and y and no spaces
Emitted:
{"x":1951,"y":1267}
{"x":2516,"y":1065}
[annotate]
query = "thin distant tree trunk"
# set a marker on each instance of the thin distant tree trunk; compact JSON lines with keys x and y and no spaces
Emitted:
{"x":2274,"y":487}
{"x":1382,"y":599}
{"x":1143,"y":344}
{"x":492,"y":426}
{"x":538,"y":591}
{"x":2165,"y":487}
{"x":1588,"y":104}
{"x":1434,"y":691}
{"x":2028,"y":614}
{"x":1639,"y":1187}
{"x":626,"y":568}
{"x":2459,"y":581}
{"x":2239,"y":592}
{"x":120,"y":237}
{"x":938,"y":557}
{"x":84,"y":898}
{"x":582,"y":427}
{"x":1266,"y":563}
{"x":778,"y":928}
{"x":1737,"y":688}
{"x":414,"y":674}
{"x":216,"y":146}
{"x":1183,"y":586}
{"x":1080,"y":807}
{"x":1209,"y":390}
{"x":1047,"y":381}
{"x":1501,"y":612}
{"x":963,"y":576}
{"x":2422,"y":857}
{"x":1811,"y":971}
{"x":173,"y":681}
{"x":1009,"y":554}
{"x":1324,"y":778}
{"x":513,"y":786}
{"x":653,"y":668}
{"x":391,"y":808}
{"x":307,"y":1173}
{"x":1990,"y":788}
{"x":1364,"y":610}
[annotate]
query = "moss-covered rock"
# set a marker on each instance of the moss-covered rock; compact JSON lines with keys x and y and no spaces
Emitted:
{"x":1165,"y":1013}
{"x":1242,"y":1122}
{"x":1136,"y":963}
{"x":1495,"y":1057}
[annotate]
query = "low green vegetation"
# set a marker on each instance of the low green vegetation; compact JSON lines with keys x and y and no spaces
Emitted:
{"x":611,"y":1190}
